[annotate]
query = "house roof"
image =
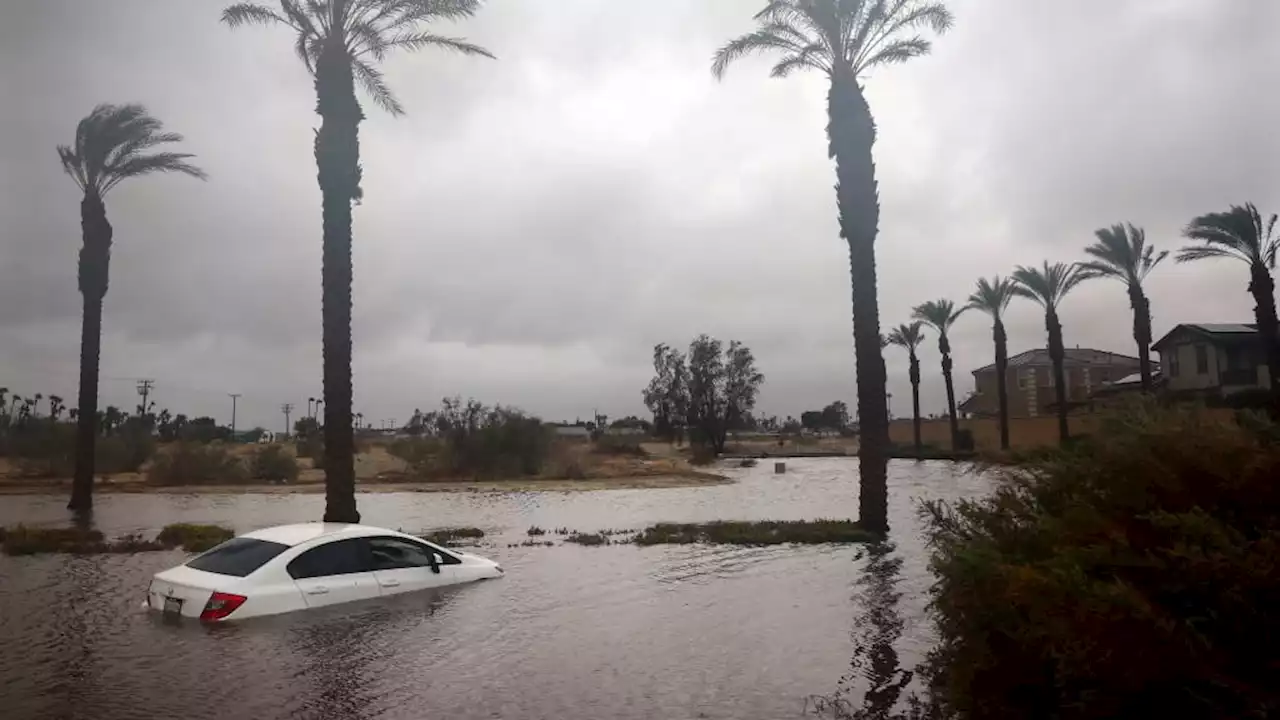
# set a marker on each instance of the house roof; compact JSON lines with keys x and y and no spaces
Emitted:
{"x":1073,"y":357}
{"x":1214,"y":332}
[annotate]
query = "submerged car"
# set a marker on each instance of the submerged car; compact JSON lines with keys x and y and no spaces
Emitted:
{"x":295,"y":567}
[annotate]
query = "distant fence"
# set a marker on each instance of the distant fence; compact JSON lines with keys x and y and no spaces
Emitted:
{"x":1023,"y":432}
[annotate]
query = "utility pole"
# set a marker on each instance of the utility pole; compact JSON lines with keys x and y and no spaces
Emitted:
{"x":234,"y":397}
{"x":286,"y":409}
{"x":144,"y":389}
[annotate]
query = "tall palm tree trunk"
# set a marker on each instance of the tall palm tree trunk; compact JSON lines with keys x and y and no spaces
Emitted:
{"x":1263,"y":289}
{"x":1002,"y":387}
{"x":1057,"y":354}
{"x":915,"y":403}
{"x":95,"y":258}
{"x":851,"y":131}
{"x":1142,"y":333}
{"x":337,"y":151}
{"x":945,"y":346}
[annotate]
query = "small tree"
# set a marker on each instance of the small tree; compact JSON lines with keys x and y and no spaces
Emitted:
{"x":667,"y":395}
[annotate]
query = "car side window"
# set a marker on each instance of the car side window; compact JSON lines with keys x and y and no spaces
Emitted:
{"x":391,"y":553}
{"x":336,"y":558}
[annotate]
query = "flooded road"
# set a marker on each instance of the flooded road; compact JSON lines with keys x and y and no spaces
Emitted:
{"x":571,"y":632}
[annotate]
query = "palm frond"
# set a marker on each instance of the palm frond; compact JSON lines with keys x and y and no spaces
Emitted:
{"x":939,"y":314}
{"x":898,"y":51}
{"x":373,"y":83}
{"x":993,"y":296}
{"x":1049,"y":284}
{"x":1121,"y":252}
{"x":1240,"y":232}
{"x":109,"y":145}
{"x":908,"y":336}
{"x":246,"y":13}
{"x":366,"y":30}
{"x":903,"y":15}
{"x":762,"y":40}
{"x":417,"y":41}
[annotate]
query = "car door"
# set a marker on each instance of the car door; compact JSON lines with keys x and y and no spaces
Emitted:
{"x":335,"y":572}
{"x":402,"y":565}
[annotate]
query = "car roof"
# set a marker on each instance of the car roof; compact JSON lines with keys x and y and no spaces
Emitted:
{"x":300,"y":533}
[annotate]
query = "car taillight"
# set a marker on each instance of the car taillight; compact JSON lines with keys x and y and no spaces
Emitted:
{"x":221,"y":605}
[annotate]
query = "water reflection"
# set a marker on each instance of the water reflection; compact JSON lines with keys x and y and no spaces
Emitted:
{"x":873,"y":688}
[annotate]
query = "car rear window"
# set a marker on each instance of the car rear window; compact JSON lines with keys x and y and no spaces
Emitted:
{"x":237,"y":557}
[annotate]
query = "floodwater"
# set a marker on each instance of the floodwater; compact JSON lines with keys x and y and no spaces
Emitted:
{"x":571,"y":632}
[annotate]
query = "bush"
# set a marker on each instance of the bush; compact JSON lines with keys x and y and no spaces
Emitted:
{"x":764,"y":532}
{"x":124,"y":452}
{"x":273,"y":462}
{"x":964,"y":440}
{"x":23,"y":540}
{"x":422,"y":455}
{"x":192,"y":537}
{"x":197,"y":464}
{"x":618,"y":445}
{"x":1133,"y":575}
{"x":702,"y":455}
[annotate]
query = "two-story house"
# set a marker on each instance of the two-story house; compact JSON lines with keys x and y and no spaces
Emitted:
{"x":1029,"y":381}
{"x":1213,"y":359}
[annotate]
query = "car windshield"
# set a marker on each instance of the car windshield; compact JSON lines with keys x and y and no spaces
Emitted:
{"x":237,"y":557}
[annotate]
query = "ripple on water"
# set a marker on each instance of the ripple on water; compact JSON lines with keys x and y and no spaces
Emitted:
{"x":570,"y":632}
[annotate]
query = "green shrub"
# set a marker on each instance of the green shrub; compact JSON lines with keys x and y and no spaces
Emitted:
{"x":618,"y":445}
{"x":22,"y":540}
{"x":273,"y":462}
{"x":197,"y":464}
{"x":123,"y":452}
{"x":422,"y":454}
{"x":702,"y":455}
{"x":764,"y":532}
{"x":1134,"y":575}
{"x":452,"y":536}
{"x":193,"y":537}
{"x":588,"y":539}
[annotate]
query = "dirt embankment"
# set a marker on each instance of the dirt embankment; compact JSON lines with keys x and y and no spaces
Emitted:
{"x":377,"y":470}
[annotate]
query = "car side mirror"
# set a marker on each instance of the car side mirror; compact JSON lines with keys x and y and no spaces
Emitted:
{"x":436,"y":562}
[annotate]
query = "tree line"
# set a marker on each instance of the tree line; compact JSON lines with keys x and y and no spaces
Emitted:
{"x":1121,"y":253}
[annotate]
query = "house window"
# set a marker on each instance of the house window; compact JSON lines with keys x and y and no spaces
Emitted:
{"x":1202,"y":360}
{"x":1172,"y":362}
{"x":1027,"y":378}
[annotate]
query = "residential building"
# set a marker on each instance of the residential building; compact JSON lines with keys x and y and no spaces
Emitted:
{"x":1029,"y":381}
{"x":1213,"y":358}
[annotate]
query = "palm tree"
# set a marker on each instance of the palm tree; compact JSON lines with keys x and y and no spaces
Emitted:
{"x":845,"y":39}
{"x":1048,"y":286}
{"x":1242,"y":234}
{"x":992,"y":297}
{"x":341,"y":42}
{"x":1122,"y":253}
{"x":941,"y":315}
{"x":909,"y":337}
{"x":113,"y":143}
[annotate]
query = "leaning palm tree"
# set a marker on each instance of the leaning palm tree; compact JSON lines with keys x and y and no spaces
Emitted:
{"x":1242,"y":233}
{"x":941,"y":315}
{"x":341,"y":42}
{"x":113,"y":143}
{"x":909,"y":338}
{"x":992,"y":297}
{"x":845,"y":39}
{"x":1122,"y":253}
{"x":1048,"y":286}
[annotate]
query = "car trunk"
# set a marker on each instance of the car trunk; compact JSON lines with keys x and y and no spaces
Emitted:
{"x":186,"y":588}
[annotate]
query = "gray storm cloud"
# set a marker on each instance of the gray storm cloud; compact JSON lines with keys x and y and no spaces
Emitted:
{"x":536,"y":224}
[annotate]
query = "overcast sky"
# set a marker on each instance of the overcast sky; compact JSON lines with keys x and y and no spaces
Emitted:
{"x":536,"y":224}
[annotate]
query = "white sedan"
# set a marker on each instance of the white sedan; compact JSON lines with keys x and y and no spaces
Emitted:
{"x":294,"y":567}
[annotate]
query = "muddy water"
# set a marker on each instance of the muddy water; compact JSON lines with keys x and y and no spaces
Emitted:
{"x":570,"y":632}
